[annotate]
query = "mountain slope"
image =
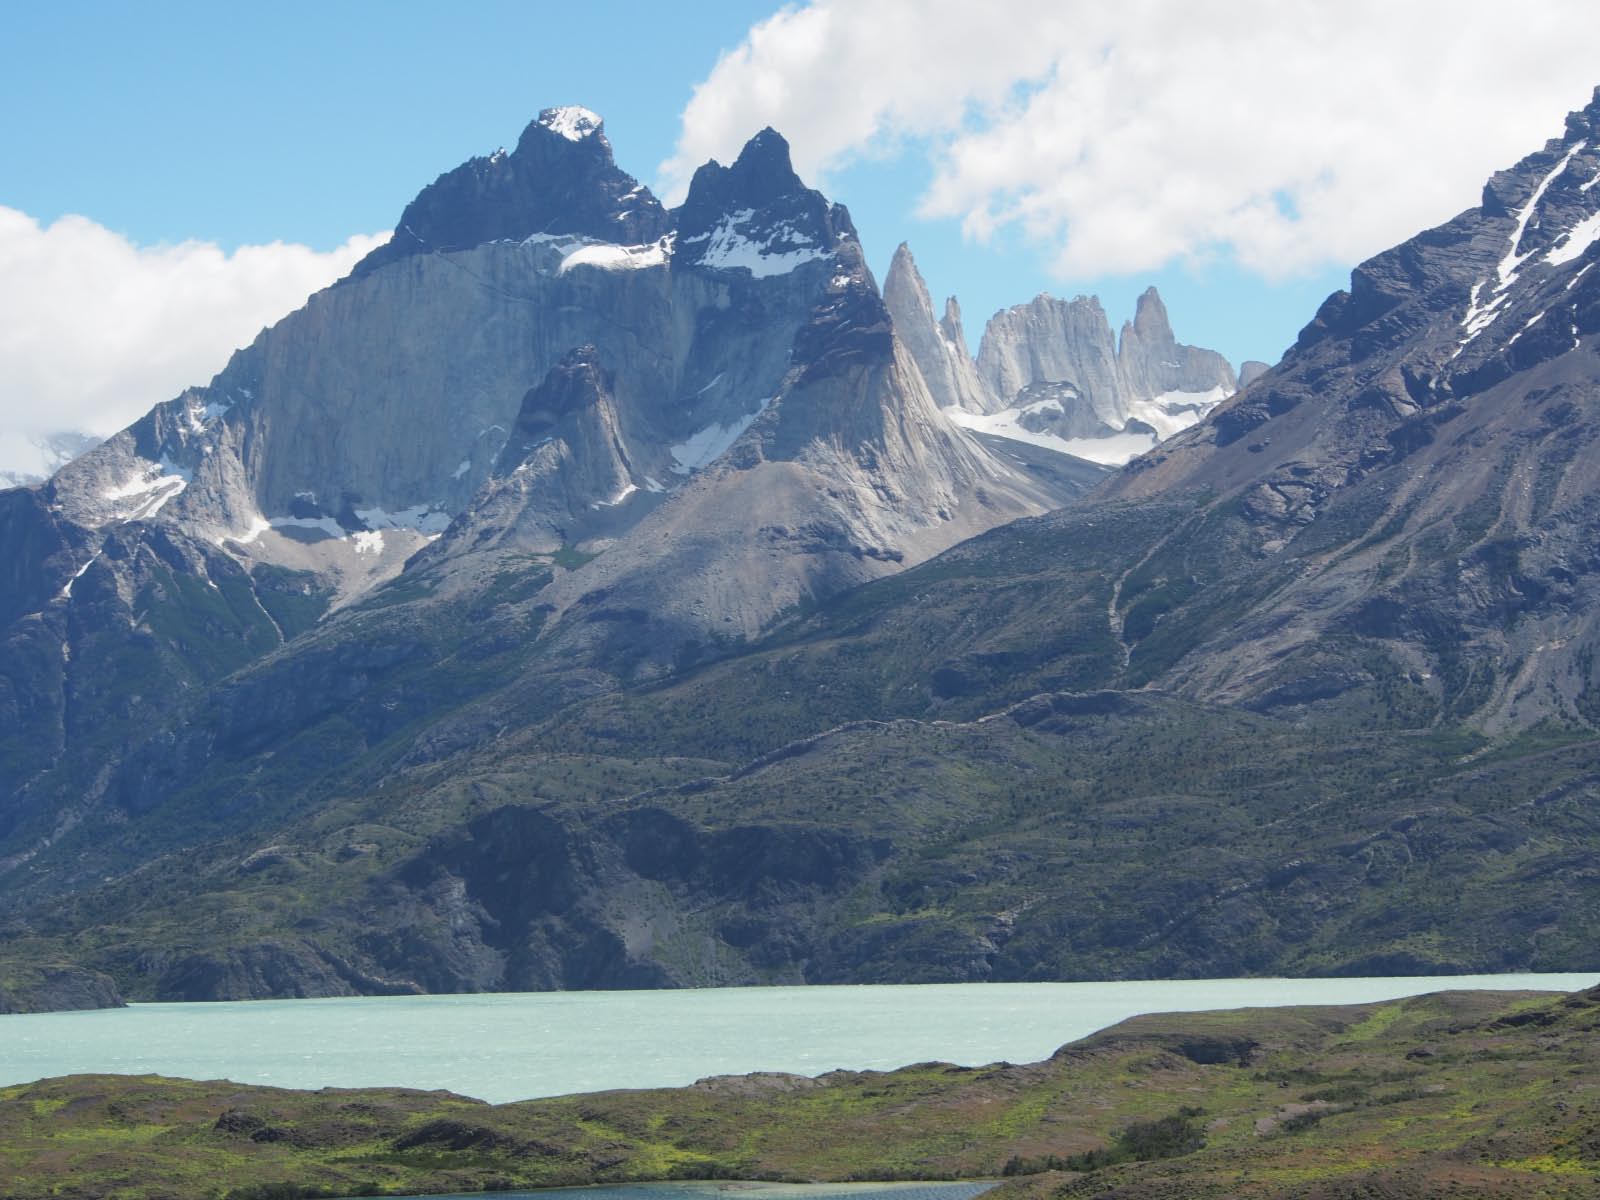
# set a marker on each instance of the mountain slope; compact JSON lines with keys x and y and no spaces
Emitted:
{"x":531,"y":432}
{"x":1309,"y":688}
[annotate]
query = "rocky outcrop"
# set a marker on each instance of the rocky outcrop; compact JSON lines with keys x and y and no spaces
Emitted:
{"x":1251,"y":370}
{"x":938,"y":347}
{"x":1050,"y":341}
{"x":1057,"y":372}
{"x":564,"y":471}
{"x":1154,"y":365}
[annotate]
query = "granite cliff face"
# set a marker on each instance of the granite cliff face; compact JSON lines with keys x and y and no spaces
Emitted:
{"x":1052,"y":374}
{"x":1055,"y":368}
{"x":938,"y":347}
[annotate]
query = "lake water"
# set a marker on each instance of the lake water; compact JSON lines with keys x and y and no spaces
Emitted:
{"x":739,"y":1190}
{"x":517,"y":1046}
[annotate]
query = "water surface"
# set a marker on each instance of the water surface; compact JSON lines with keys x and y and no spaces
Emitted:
{"x":740,"y":1190}
{"x":517,"y":1046}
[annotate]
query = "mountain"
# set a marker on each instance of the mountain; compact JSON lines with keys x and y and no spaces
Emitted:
{"x":550,"y":435}
{"x":1307,"y":689}
{"x":1051,"y":373}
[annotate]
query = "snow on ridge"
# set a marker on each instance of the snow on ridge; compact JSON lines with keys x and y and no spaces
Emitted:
{"x":1480,"y":315}
{"x":150,"y":489}
{"x":571,"y":121}
{"x":1579,"y":238}
{"x":609,"y":256}
{"x":778,"y":253}
{"x":1112,"y":451}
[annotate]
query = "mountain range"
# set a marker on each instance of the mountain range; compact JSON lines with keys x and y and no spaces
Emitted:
{"x":586,"y":593}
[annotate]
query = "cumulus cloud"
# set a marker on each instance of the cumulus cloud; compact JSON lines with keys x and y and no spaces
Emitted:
{"x":1287,"y":135}
{"x":95,"y":329}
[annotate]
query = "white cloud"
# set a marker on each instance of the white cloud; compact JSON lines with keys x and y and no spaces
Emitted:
{"x":1121,"y":137}
{"x":95,"y":329}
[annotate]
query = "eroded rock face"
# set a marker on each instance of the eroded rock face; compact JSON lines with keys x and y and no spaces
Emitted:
{"x":1052,"y":374}
{"x":939,"y":348}
{"x":1055,"y":368}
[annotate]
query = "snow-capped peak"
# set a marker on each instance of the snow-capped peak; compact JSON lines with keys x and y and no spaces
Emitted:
{"x":571,"y":122}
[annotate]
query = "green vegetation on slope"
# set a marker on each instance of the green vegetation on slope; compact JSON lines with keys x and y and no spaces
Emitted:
{"x":1460,"y":1093}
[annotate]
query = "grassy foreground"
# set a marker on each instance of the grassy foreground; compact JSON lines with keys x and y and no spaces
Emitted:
{"x":1452,"y":1095}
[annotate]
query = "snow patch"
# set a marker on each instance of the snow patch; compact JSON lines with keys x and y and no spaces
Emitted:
{"x":462,"y":468}
{"x":705,"y":447}
{"x":149,"y":490}
{"x":1173,"y":412}
{"x":367,"y":542}
{"x":610,"y":257}
{"x":628,"y":489}
{"x":200,"y":416}
{"x":1113,"y":451}
{"x":571,"y":121}
{"x":421,"y":518}
{"x":78,"y":574}
{"x":1579,"y":238}
{"x":779,"y":253}
{"x":1480,"y":313}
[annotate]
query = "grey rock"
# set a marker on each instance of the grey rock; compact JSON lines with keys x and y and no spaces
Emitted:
{"x":1251,"y":370}
{"x":1054,"y":367}
{"x":939,"y":348}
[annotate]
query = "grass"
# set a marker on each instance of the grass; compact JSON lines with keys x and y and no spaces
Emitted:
{"x":1146,"y":1109}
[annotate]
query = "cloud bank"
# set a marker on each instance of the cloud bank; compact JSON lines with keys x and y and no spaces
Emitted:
{"x":1286,"y":135}
{"x":95,"y":329}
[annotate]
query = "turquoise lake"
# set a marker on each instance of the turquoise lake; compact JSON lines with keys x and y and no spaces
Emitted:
{"x":732,"y":1190}
{"x":517,"y":1046}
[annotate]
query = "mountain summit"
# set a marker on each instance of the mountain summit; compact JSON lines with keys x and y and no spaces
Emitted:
{"x":1050,"y":373}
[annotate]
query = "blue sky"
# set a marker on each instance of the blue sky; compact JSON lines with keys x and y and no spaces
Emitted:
{"x":1216,"y":149}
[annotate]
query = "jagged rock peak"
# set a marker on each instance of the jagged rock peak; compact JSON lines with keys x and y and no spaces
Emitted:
{"x":1154,"y":363}
{"x":1150,"y":319}
{"x":578,"y":381}
{"x":757,"y":214}
{"x":938,"y":348}
{"x":560,"y":179}
{"x":573,"y":122}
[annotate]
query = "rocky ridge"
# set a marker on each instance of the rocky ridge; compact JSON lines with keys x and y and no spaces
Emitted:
{"x":1052,"y":374}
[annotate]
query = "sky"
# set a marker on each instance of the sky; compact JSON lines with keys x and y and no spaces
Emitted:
{"x":173,"y":177}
